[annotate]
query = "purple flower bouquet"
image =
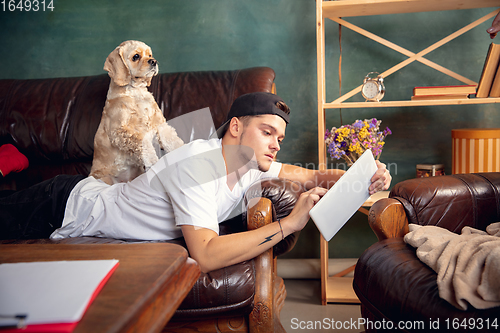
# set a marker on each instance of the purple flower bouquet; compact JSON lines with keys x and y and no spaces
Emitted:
{"x":349,"y":142}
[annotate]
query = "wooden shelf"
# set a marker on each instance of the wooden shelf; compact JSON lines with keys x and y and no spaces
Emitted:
{"x":387,"y":104}
{"x":349,"y":8}
{"x":340,"y":290}
{"x":337,"y":11}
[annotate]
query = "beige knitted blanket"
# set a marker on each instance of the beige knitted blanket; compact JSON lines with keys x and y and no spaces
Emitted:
{"x":467,"y":265}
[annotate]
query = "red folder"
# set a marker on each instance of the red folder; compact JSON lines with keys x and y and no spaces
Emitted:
{"x":61,"y":327}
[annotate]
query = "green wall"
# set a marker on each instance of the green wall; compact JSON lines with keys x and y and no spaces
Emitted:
{"x":75,"y":39}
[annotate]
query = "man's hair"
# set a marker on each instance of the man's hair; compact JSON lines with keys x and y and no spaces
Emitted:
{"x":283,"y":107}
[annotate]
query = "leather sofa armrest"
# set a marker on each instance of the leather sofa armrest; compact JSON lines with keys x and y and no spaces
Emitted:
{"x":260,"y":213}
{"x":270,"y":291}
{"x":268,"y":200}
{"x":387,"y":218}
{"x":451,"y":202}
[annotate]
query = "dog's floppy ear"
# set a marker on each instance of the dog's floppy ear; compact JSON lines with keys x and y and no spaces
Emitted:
{"x":117,"y":68}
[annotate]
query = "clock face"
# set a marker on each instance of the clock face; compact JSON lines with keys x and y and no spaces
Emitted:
{"x":370,"y":89}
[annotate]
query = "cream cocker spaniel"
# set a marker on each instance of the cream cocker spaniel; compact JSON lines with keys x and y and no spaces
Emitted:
{"x":132,"y":123}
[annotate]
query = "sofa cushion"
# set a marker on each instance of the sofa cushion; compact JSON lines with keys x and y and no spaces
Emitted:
{"x":227,"y":291}
{"x":391,"y":282}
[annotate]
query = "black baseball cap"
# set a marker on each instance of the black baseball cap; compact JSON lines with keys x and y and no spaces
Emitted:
{"x":253,"y":104}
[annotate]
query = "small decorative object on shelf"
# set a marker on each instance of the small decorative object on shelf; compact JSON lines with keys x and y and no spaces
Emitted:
{"x":373,"y":89}
{"x":430,"y":170}
{"x":349,"y":142}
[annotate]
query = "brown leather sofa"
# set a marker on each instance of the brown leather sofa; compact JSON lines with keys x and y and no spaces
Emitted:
{"x":392,"y":284}
{"x":53,"y":122}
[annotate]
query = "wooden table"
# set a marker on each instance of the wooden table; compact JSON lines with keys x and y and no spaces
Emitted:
{"x":143,"y":293}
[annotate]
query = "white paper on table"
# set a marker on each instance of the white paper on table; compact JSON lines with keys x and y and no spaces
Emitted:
{"x":345,"y":197}
{"x":51,"y":291}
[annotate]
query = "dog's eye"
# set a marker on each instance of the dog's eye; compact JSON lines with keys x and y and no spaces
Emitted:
{"x":135,"y":57}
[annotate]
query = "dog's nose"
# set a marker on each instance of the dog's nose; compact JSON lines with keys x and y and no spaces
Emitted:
{"x":152,"y":62}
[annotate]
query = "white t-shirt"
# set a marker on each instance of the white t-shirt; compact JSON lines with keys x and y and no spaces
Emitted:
{"x":188,"y":186}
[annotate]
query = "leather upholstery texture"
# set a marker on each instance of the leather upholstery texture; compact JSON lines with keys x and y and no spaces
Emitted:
{"x":451,"y":202}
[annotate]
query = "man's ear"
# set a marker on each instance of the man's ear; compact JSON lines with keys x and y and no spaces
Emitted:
{"x":235,"y":127}
{"x":117,"y":68}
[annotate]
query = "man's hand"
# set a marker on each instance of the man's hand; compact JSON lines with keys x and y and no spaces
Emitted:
{"x":381,"y":180}
{"x":299,"y":216}
{"x":495,"y":27}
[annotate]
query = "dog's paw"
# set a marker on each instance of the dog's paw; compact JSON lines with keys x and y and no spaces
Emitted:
{"x":169,"y":139}
{"x":148,"y":152}
{"x":149,"y":160}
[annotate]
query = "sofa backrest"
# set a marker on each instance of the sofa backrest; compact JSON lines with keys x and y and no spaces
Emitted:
{"x":451,"y":202}
{"x":53,"y":121}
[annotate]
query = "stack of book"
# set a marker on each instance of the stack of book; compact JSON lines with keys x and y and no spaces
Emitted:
{"x":442,"y":92}
{"x":489,"y":83}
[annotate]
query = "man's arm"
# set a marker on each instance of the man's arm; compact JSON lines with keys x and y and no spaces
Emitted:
{"x":212,"y":251}
{"x":327,"y":178}
{"x":311,"y":178}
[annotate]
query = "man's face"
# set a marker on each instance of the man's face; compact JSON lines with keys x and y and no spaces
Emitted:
{"x":263,"y":134}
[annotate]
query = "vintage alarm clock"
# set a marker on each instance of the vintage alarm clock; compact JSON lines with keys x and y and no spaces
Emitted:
{"x":373,"y":89}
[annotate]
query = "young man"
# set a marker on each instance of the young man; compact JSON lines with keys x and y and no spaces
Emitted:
{"x":193,"y":188}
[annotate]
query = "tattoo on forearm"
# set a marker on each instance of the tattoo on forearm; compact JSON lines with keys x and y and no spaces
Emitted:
{"x":268,"y":238}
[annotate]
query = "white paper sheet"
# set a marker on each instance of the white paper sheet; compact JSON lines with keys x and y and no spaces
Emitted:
{"x":194,"y":125}
{"x":50,"y":292}
{"x":344,"y":198}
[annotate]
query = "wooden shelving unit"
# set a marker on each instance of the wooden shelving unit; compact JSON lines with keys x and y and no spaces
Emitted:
{"x":340,"y":9}
{"x":349,"y":8}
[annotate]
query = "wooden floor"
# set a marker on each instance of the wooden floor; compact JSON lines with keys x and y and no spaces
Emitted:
{"x":303,"y":311}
